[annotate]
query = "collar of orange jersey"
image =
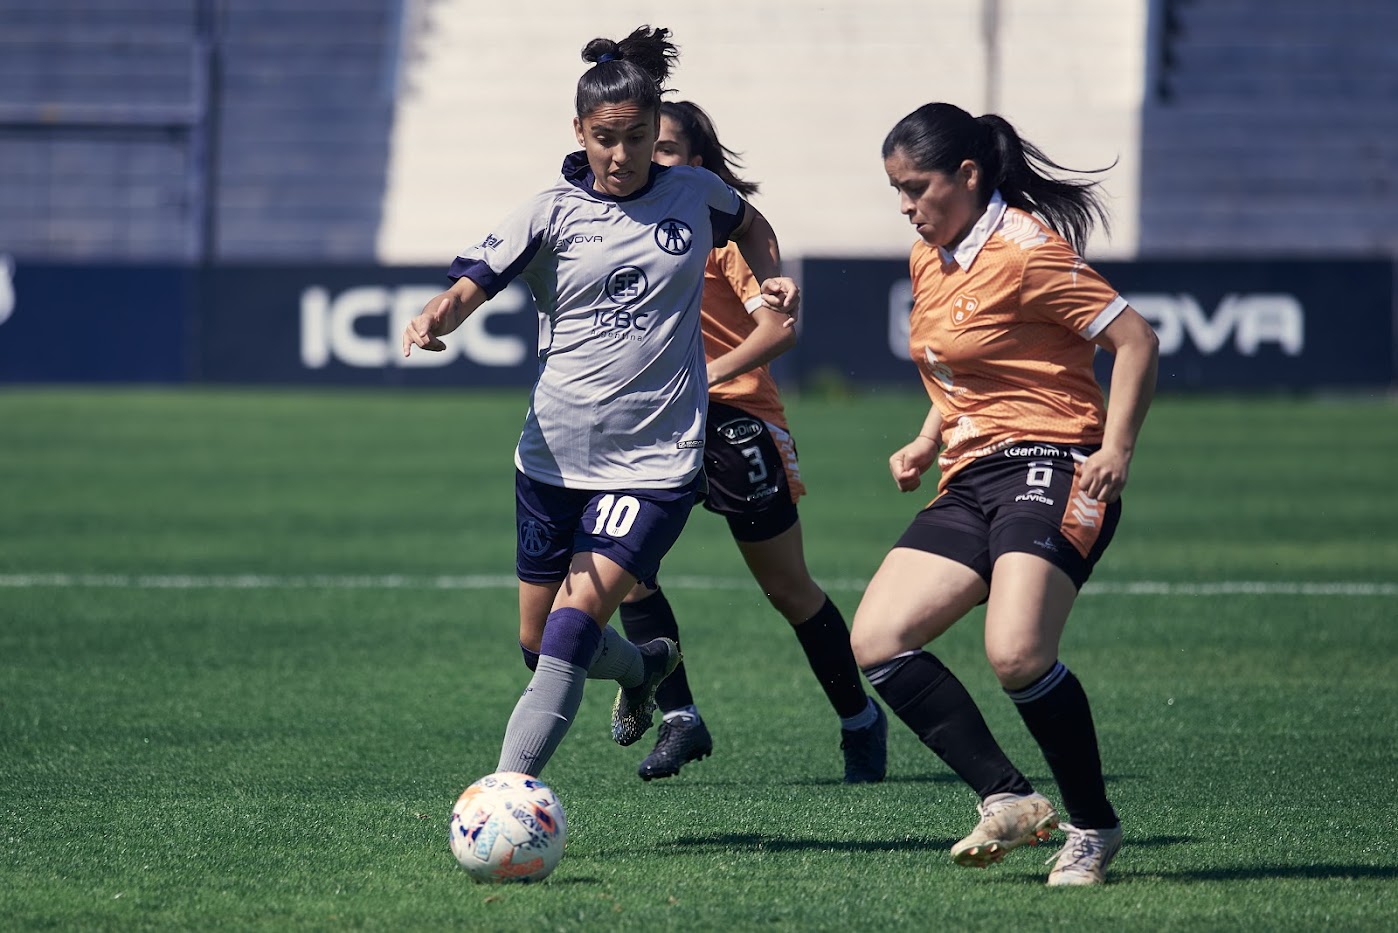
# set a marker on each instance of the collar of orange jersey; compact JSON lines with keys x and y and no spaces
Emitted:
{"x":968,"y":249}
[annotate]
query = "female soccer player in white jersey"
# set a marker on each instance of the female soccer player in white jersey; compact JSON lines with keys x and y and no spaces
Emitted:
{"x":754,"y":482}
{"x":608,"y":464}
{"x":1006,"y":318}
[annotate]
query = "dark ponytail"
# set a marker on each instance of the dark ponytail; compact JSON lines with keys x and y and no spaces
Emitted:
{"x":699,"y":130}
{"x":939,"y":137}
{"x":632,"y":70}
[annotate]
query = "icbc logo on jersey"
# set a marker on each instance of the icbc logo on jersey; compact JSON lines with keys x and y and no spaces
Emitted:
{"x":962,"y":308}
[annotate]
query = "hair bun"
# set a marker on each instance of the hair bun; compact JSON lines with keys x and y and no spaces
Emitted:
{"x":602,"y":50}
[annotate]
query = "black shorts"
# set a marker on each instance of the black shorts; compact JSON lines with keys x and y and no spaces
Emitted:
{"x":1024,"y":499}
{"x":752,"y":472}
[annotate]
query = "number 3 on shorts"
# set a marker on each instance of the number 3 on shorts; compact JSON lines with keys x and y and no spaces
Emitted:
{"x":615,"y":515}
{"x":759,"y":471}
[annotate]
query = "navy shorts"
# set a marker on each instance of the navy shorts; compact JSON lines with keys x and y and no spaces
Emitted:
{"x":1025,"y":499}
{"x":634,"y":527}
{"x":750,"y":465}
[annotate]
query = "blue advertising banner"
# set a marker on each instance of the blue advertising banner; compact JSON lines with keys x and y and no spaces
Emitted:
{"x":90,"y":323}
{"x":342,"y":325}
{"x":1222,"y":324}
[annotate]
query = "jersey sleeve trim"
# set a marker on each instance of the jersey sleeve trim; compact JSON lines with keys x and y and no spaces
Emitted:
{"x":490,"y":281}
{"x":724,"y":223}
{"x":1109,"y":314}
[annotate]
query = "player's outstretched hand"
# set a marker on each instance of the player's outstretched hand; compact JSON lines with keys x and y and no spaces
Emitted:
{"x":421,"y":331}
{"x":911,"y":461}
{"x":1103,"y":475}
{"x":782,"y":294}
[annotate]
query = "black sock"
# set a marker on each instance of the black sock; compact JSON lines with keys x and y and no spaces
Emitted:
{"x":650,"y":618}
{"x":825,"y":639}
{"x":1056,"y":711}
{"x":935,"y":705}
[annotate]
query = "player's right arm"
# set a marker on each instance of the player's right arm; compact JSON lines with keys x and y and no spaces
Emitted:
{"x":482,"y":272}
{"x":916,"y":457}
{"x":442,"y":315}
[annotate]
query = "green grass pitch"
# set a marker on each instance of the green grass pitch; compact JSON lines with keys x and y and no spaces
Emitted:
{"x":253,"y":644}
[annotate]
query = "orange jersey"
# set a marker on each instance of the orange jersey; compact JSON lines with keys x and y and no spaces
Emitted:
{"x":1001,"y":332}
{"x":730,"y":296}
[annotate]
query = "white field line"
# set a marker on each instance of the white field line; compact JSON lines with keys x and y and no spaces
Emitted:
{"x":497,"y":582}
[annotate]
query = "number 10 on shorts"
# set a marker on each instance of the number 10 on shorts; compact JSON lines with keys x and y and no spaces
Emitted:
{"x":615,"y":515}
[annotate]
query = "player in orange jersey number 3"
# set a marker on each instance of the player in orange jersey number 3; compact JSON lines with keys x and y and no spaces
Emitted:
{"x":754,"y":482}
{"x":1006,"y":318}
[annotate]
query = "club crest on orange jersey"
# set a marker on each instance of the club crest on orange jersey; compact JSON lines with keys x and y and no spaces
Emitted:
{"x":963,"y":308}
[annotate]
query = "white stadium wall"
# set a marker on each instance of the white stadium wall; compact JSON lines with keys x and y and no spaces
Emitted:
{"x":805,"y":91}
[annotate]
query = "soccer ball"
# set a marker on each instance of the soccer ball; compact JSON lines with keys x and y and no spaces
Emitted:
{"x":508,"y":827}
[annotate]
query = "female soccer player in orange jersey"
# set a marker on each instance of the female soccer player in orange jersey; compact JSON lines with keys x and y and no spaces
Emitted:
{"x":1006,"y":318}
{"x":753,"y":481}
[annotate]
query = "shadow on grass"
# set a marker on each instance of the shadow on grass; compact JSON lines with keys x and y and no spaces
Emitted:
{"x":1146,"y":842}
{"x":1262,"y":872}
{"x":940,"y":777}
{"x":560,"y":881}
{"x":891,"y":779}
{"x":757,"y":842}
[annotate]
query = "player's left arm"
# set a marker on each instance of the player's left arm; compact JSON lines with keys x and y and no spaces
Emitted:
{"x":757,"y":241}
{"x":1137,"y":351}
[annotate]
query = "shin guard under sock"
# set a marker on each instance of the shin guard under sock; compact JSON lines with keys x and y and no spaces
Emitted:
{"x":935,"y":705}
{"x":824,"y":638}
{"x":1056,"y":710}
{"x":545,"y":712}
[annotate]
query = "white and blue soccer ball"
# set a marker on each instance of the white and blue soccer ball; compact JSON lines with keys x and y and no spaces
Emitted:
{"x":508,"y":827}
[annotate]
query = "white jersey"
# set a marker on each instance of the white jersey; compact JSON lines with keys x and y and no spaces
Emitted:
{"x":623,"y":388}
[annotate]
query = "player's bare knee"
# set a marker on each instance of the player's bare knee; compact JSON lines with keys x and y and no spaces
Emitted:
{"x":1017,"y":666}
{"x":866,"y":650}
{"x":873,"y":643}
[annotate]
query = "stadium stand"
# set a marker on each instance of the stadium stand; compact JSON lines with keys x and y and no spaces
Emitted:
{"x":314,"y":130}
{"x":1270,"y":129}
{"x":106,"y":120}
